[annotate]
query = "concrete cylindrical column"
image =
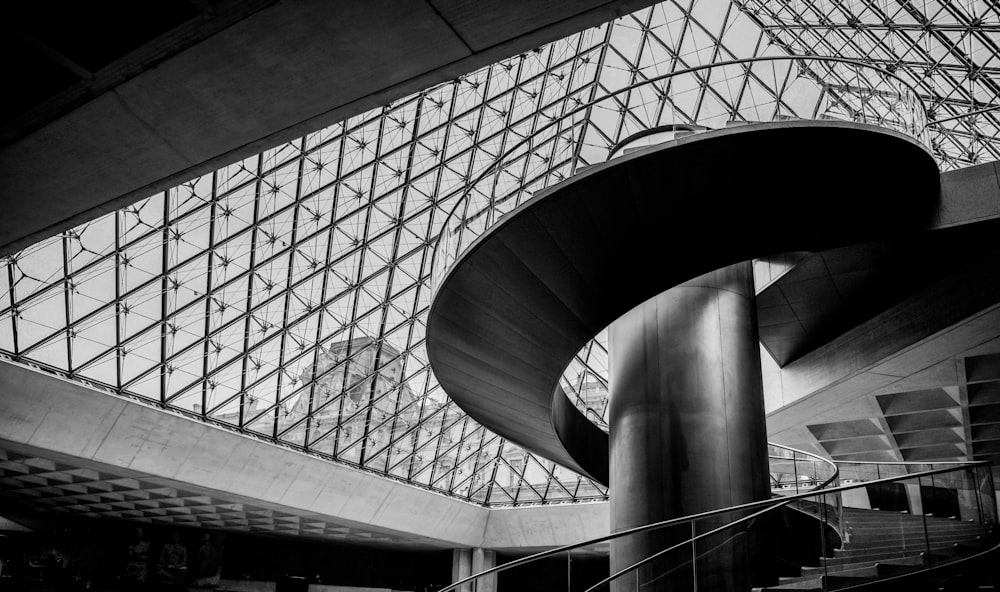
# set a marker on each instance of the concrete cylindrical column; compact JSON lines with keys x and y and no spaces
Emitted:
{"x":687,"y":428}
{"x":461,"y":568}
{"x":468,"y":562}
{"x":482,"y":560}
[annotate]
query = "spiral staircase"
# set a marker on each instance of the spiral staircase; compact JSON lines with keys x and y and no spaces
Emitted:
{"x":516,"y":277}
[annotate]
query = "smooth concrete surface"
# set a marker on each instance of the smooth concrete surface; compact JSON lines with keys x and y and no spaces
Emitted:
{"x":467,"y":562}
{"x":913,"y":497}
{"x":461,"y":568}
{"x":539,"y":527}
{"x":247,"y":586}
{"x":522,"y":300}
{"x":973,"y":289}
{"x":856,"y":498}
{"x":482,"y":560}
{"x":829,"y":292}
{"x":911,"y":346}
{"x":686,"y":420}
{"x":331,"y":588}
{"x":264,"y":586}
{"x":970,"y":194}
{"x":917,"y":346}
{"x":281,"y":72}
{"x":86,"y":427}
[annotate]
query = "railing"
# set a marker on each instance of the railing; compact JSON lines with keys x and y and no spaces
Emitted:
{"x":795,"y":471}
{"x":816,"y":472}
{"x":582,"y":132}
{"x":897,"y":541}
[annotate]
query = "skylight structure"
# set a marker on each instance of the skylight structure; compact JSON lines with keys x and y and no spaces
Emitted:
{"x":285,"y":295}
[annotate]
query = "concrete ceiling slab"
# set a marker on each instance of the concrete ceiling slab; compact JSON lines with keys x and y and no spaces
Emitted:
{"x":908,"y":402}
{"x":276,"y":74}
{"x":984,"y":414}
{"x":986,"y":367}
{"x":838,"y":448}
{"x":928,"y":437}
{"x":984,"y":393}
{"x":923,"y":421}
{"x":845,"y":429}
{"x":484,"y":24}
{"x":986,"y":432}
{"x":874,"y":456}
{"x":935,"y":452}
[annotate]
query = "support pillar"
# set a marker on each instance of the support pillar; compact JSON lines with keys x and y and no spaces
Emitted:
{"x":687,"y":430}
{"x":467,"y":562}
{"x":482,"y":560}
{"x":915,"y":497}
{"x":461,"y":568}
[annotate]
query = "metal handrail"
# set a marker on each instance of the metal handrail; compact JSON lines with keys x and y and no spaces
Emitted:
{"x":655,"y":525}
{"x":903,"y":462}
{"x":653,"y":557}
{"x":593,"y":102}
{"x":767,"y":505}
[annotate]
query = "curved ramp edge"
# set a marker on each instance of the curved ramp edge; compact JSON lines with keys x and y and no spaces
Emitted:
{"x":519,"y":303}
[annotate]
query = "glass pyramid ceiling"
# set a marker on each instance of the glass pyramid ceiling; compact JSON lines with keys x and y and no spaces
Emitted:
{"x":285,"y":296}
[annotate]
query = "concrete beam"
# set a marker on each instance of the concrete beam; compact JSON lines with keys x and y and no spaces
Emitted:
{"x":969,"y":195}
{"x":286,"y":70}
{"x":80,"y":426}
{"x":52,"y":414}
{"x":538,"y":527}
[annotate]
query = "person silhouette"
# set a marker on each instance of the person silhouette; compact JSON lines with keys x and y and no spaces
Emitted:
{"x":137,"y":564}
{"x":172,"y":566}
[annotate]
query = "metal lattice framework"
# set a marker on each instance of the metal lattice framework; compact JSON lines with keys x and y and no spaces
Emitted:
{"x":285,"y":296}
{"x":948,"y":50}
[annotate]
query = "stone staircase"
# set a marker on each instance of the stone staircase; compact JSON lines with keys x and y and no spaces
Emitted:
{"x":884,"y":544}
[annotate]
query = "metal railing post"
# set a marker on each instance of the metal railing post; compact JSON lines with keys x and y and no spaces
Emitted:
{"x":795,"y":470}
{"x":694,"y":554}
{"x":979,"y":503}
{"x":923,"y":519}
{"x":569,"y":572}
{"x":822,"y":539}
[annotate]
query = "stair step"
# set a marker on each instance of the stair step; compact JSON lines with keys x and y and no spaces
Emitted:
{"x":899,"y":516}
{"x":884,"y":544}
{"x":888,"y":569}
{"x":896,"y":526}
{"x":852,"y":550}
{"x":898,"y":521}
{"x":813,"y":584}
{"x":890,"y":543}
{"x":856,"y":573}
{"x":905,"y":519}
{"x":877,"y":570}
{"x":832,"y":583}
{"x":897,"y":537}
{"x":892,"y":555}
{"x":883,"y":530}
{"x":855,"y":570}
{"x":888,"y":532}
